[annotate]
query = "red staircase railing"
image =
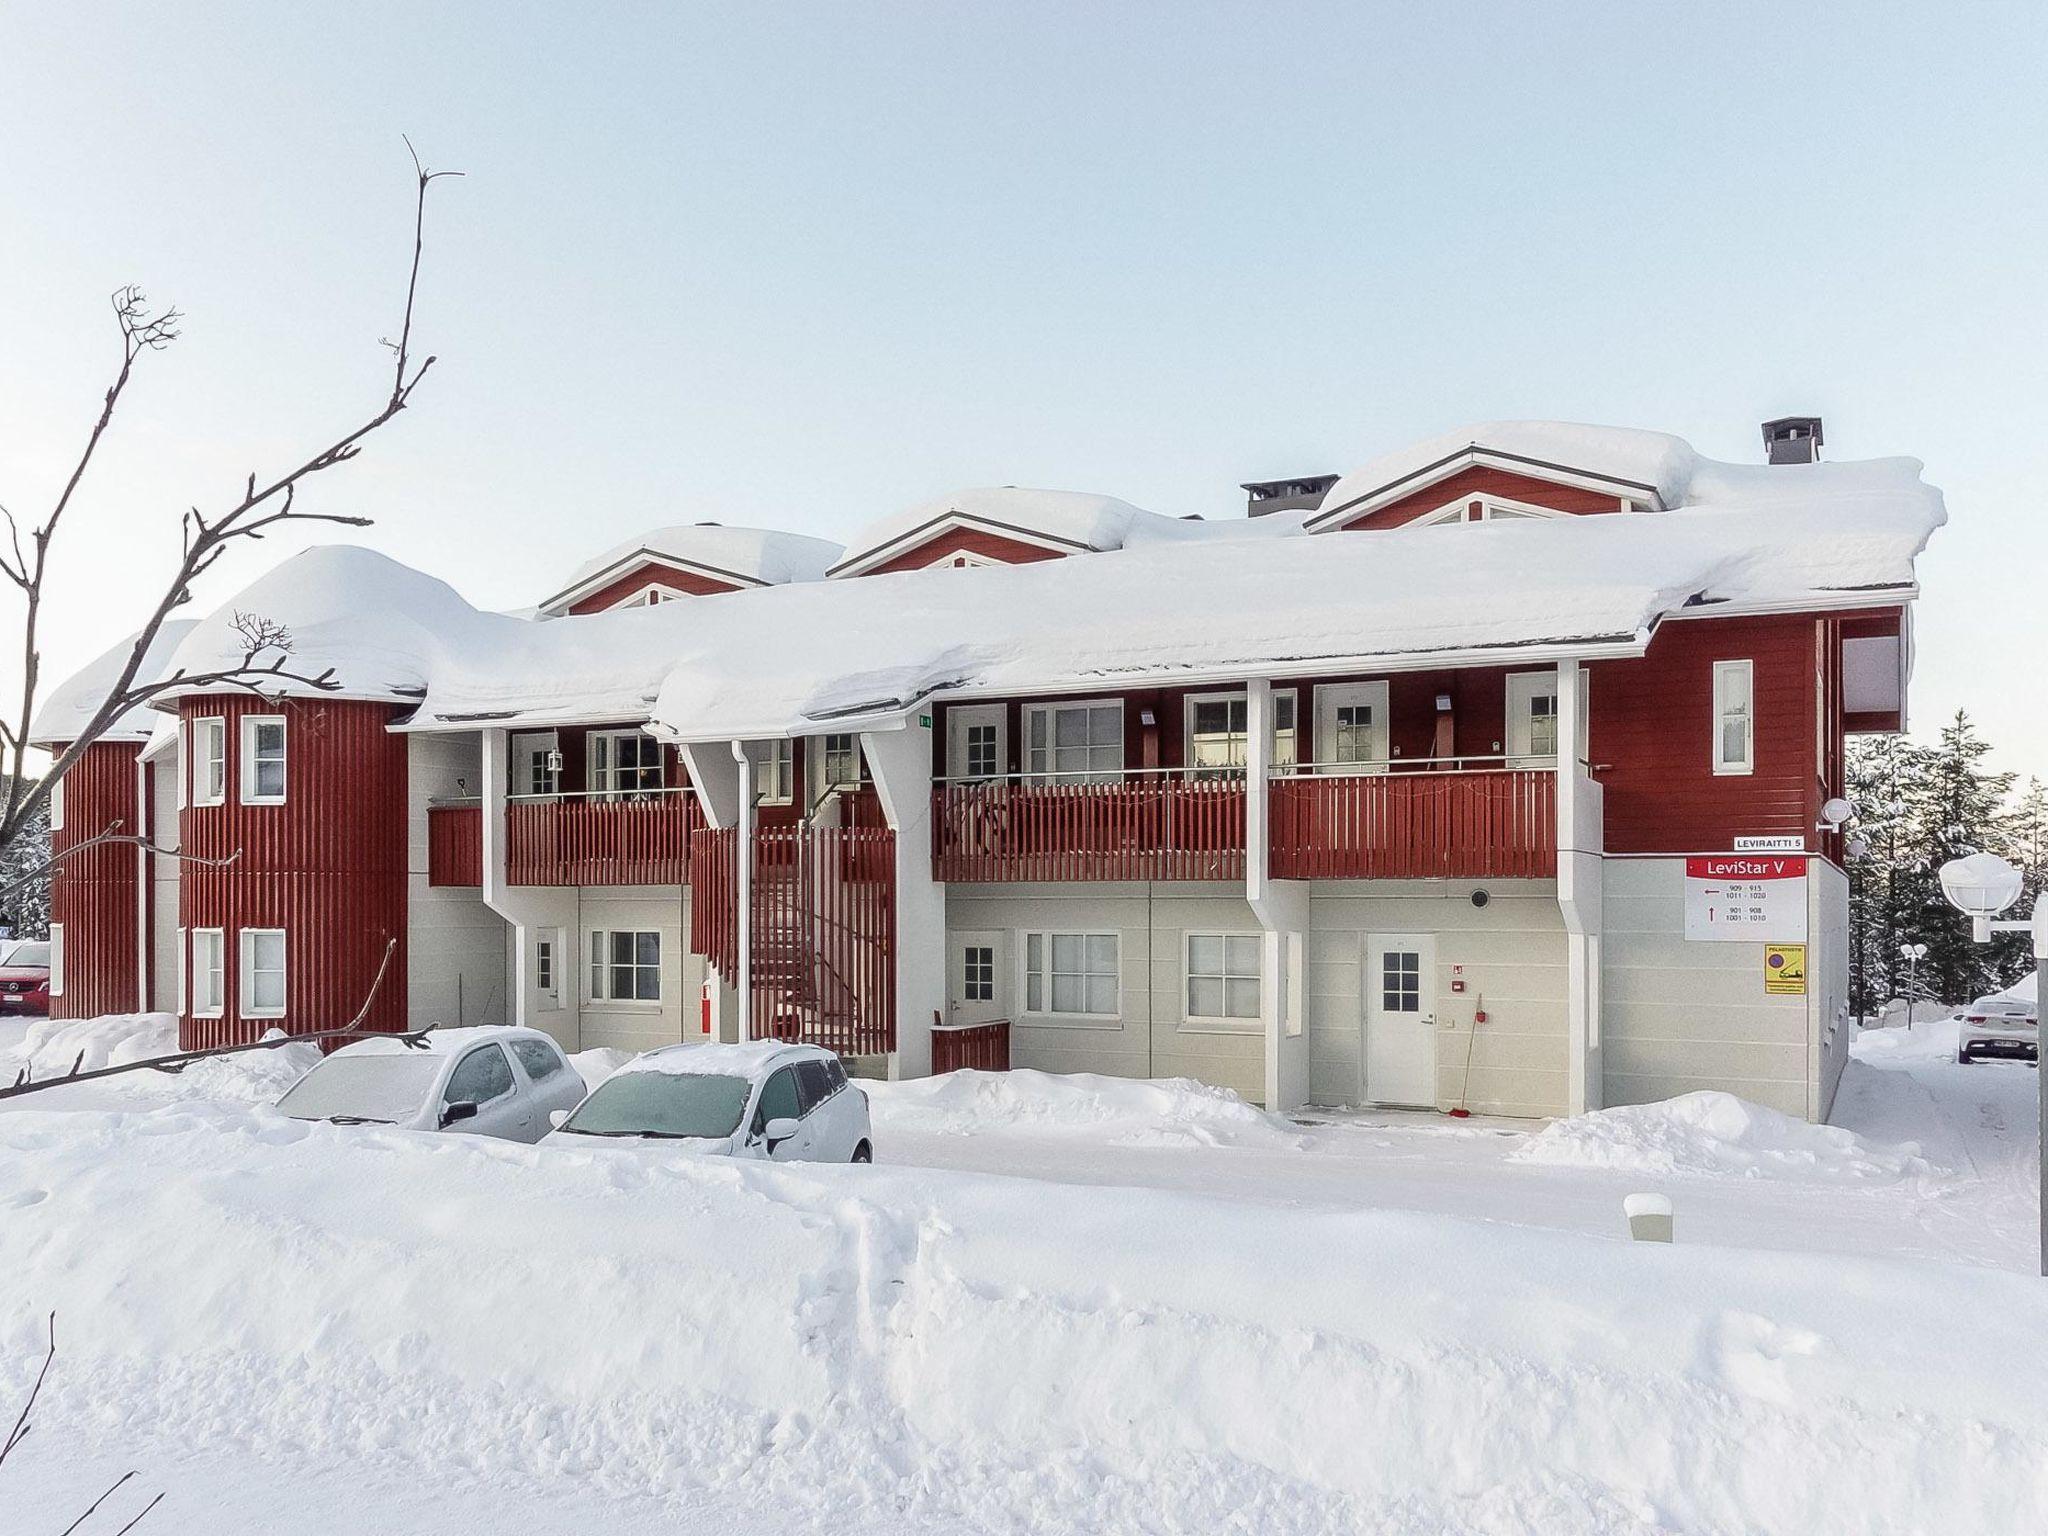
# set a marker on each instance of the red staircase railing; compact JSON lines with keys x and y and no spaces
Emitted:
{"x":588,"y":840}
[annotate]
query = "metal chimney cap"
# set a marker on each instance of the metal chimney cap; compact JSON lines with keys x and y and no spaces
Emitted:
{"x":1792,"y":439}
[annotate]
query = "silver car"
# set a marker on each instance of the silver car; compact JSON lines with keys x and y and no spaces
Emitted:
{"x":491,"y":1080}
{"x":769,"y":1100}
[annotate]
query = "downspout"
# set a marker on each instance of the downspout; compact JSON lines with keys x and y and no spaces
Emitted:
{"x":145,"y":886}
{"x":743,"y":892}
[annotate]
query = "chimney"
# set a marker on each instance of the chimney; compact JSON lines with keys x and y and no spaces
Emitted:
{"x":1793,"y":440}
{"x":1301,"y":493}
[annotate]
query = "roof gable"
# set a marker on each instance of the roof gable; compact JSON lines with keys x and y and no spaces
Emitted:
{"x":1479,"y":470}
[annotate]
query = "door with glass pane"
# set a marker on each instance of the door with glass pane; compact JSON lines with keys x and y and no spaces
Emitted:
{"x":974,"y":980}
{"x":1352,"y":729}
{"x":1400,"y":1020}
{"x":1075,"y":743}
{"x":1532,"y":719}
{"x":975,"y":748}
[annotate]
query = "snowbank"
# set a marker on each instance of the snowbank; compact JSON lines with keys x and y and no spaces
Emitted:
{"x":52,"y":1048}
{"x":1718,"y":1134}
{"x":598,"y":1063}
{"x":1130,"y":1112}
{"x":889,"y":1348}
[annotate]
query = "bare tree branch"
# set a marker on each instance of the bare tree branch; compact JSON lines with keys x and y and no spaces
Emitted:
{"x":259,"y":506}
{"x":22,"y":1423}
{"x":112,"y":834}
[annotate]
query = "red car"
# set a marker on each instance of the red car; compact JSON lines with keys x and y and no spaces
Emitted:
{"x":25,"y":977}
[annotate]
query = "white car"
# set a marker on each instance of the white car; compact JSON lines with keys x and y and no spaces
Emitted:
{"x":2003,"y":1024}
{"x":488,"y":1080}
{"x":767,"y":1099}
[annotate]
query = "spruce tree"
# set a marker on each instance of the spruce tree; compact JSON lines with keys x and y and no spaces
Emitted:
{"x":1956,"y":806}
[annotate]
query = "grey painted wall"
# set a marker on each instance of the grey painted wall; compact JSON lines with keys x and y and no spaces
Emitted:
{"x":458,"y":955}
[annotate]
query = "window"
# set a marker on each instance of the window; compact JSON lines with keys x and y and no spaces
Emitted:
{"x":178,"y":972}
{"x":773,"y":774}
{"x":209,"y":761}
{"x":483,"y":1075}
{"x":982,"y":762}
{"x":56,"y":803}
{"x":1352,"y":734}
{"x":541,"y":1060}
{"x":625,"y":967}
{"x":1401,"y":981}
{"x":780,"y":1100}
{"x":263,"y":759}
{"x":209,"y":993}
{"x":624,"y":764}
{"x":1223,"y":978}
{"x":1218,"y":729}
{"x":647,"y":597}
{"x":536,"y":764}
{"x":1532,"y":717}
{"x":840,"y":762}
{"x":1075,"y":741}
{"x":814,"y":1084}
{"x":545,"y":980}
{"x":56,"y":959}
{"x":978,"y":973}
{"x":1734,"y":717}
{"x":1072,"y":973}
{"x":976,"y":749}
{"x":262,"y":955}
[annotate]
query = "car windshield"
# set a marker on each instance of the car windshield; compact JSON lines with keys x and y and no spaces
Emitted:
{"x":27,"y":952}
{"x":386,"y":1089}
{"x":661,"y":1104}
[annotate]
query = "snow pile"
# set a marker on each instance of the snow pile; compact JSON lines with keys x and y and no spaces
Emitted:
{"x":1895,"y":1045}
{"x":598,"y":1063}
{"x":887,"y":1348}
{"x":70,"y":707}
{"x":746,"y":556}
{"x":1174,"y":1111}
{"x":1718,"y":1134}
{"x":1655,"y":461}
{"x":51,"y":1048}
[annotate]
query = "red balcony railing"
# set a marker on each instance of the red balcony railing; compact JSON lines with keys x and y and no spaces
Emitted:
{"x":455,"y":845}
{"x":1147,"y":826}
{"x":1492,"y":823}
{"x":592,"y":840}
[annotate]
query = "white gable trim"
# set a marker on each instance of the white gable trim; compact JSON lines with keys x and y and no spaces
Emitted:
{"x":1623,"y":491}
{"x":1490,"y":506}
{"x":953,"y":522}
{"x":625,"y":565}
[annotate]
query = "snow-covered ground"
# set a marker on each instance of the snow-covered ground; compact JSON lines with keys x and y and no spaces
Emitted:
{"x":1056,"y":1305}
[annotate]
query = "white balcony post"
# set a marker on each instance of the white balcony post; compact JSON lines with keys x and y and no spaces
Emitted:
{"x":900,"y":763}
{"x":743,"y":890}
{"x":1580,"y":845}
{"x":1282,"y":909}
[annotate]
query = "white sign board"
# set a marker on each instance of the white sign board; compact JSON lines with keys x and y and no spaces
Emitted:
{"x":1735,"y":898}
{"x":1792,"y":843}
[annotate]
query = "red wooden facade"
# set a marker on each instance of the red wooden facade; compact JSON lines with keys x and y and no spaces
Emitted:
{"x":1152,"y":827}
{"x":1492,"y":824}
{"x":455,"y":845}
{"x":822,"y":925}
{"x":580,"y":841}
{"x":328,"y":866}
{"x":988,"y":545}
{"x":97,"y":891}
{"x":971,"y":1047}
{"x":650,"y":573}
{"x":1478,"y":481}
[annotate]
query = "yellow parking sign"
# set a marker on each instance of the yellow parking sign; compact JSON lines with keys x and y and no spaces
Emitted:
{"x":1785,"y":970}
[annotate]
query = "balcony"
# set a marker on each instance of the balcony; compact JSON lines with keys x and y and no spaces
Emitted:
{"x":1156,"y":825}
{"x":1474,"y":819}
{"x":601,"y":839}
{"x":455,"y":844}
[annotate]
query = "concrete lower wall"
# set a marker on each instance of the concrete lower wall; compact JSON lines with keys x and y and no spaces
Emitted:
{"x":1680,"y":1016}
{"x":458,"y":951}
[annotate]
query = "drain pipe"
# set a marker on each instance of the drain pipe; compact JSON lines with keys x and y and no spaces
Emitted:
{"x":743,"y":892}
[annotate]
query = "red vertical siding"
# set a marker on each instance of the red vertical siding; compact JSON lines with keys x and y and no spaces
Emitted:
{"x":1652,"y":740}
{"x":1482,"y":480}
{"x":976,"y":541}
{"x":647,"y":574}
{"x":94,"y":893}
{"x":328,"y":866}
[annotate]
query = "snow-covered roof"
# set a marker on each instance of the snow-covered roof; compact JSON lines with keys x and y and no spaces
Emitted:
{"x":748,"y":1060}
{"x":70,"y":707}
{"x":1068,"y":522}
{"x":746,"y":557}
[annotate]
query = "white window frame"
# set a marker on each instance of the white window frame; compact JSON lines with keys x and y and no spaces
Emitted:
{"x":1051,"y":773}
{"x":602,"y":769}
{"x":961,"y":559}
{"x":1725,"y":674}
{"x":56,"y":959}
{"x":55,"y":803}
{"x":207,"y":1004}
{"x":547,"y":953}
{"x":596,"y":972}
{"x":1523,"y":689}
{"x":962,"y":720}
{"x":1226,"y":1022}
{"x":1042,"y":939}
{"x":522,"y":748}
{"x":203,"y":728}
{"x":1284,"y":699}
{"x":651,"y":595}
{"x":178,"y":971}
{"x":820,"y":757}
{"x":1504,"y":508}
{"x":1331,"y":697}
{"x":245,"y":957}
{"x":775,"y":774}
{"x":251,"y":724}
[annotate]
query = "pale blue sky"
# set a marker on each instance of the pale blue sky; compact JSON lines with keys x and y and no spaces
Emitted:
{"x":804,"y":264}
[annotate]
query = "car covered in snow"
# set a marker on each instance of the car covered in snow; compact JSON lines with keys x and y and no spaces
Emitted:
{"x":767,"y":1099}
{"x":2004,"y":1024}
{"x":25,"y":977}
{"x":487,"y":1080}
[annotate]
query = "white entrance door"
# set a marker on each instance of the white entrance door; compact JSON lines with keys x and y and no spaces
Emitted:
{"x":1352,"y":734}
{"x":974,"y":978}
{"x":976,"y":747}
{"x":1400,"y":1019}
{"x":1532,"y":719}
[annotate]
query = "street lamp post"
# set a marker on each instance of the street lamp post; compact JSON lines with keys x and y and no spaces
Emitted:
{"x":1914,"y":954}
{"x":1982,"y":886}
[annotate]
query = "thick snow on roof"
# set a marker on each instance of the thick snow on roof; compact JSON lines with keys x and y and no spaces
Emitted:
{"x":1080,"y":519}
{"x":762,"y":555}
{"x":1654,"y":459}
{"x":67,"y":710}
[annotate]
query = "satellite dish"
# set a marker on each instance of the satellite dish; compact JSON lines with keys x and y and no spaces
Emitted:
{"x":1835,"y":812}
